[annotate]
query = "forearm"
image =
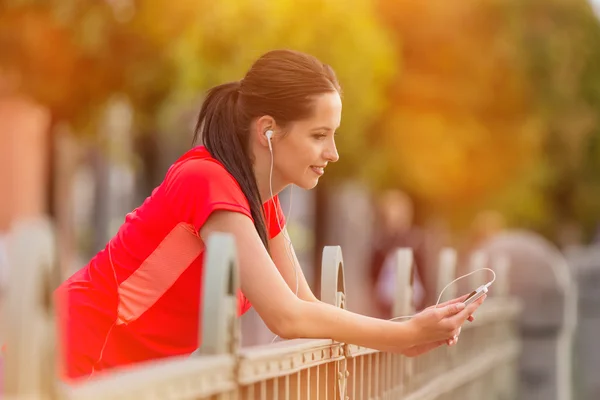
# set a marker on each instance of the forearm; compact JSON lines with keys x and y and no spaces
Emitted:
{"x":321,"y":320}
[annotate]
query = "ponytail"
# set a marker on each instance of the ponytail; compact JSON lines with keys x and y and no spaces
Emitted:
{"x":281,"y":84}
{"x":222,"y":131}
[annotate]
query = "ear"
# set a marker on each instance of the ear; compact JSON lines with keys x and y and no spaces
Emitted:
{"x":262,"y":125}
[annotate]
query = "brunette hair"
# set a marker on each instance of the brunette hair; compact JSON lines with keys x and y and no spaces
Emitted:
{"x":281,"y":84}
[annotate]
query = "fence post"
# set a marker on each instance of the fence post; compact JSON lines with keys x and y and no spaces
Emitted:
{"x":478,"y":260}
{"x":501,"y":266}
{"x":220,"y":325}
{"x":504,"y":380}
{"x":403,"y":304}
{"x":333,"y":283}
{"x":447,"y":273}
{"x":333,"y":291}
{"x":404,"y":307}
{"x":30,"y":369}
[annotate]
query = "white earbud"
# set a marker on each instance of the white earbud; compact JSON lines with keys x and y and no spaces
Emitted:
{"x":269,"y":135}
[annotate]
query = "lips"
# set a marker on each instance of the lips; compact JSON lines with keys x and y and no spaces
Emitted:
{"x":319,"y":170}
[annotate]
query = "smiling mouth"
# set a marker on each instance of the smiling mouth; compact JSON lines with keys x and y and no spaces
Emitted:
{"x":318,"y":170}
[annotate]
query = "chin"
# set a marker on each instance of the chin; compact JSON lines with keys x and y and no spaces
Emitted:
{"x":308,"y":184}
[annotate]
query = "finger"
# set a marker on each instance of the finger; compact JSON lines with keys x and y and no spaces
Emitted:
{"x":457,"y":334}
{"x":453,"y":340}
{"x":471,"y":318}
{"x":453,"y":301}
{"x":460,"y":317}
{"x":452,"y":310}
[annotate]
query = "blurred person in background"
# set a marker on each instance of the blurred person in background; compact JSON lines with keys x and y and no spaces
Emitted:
{"x":140,"y":297}
{"x":393,"y":230}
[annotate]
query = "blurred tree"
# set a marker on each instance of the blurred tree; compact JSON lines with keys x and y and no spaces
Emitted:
{"x":209,"y":43}
{"x":73,"y":55}
{"x":497,"y":106}
{"x":562,"y":43}
{"x":461,"y":123}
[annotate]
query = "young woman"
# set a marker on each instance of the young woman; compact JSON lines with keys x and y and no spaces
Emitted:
{"x":138,"y":299}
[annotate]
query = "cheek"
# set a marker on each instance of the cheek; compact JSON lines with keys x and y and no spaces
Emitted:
{"x":297,"y":163}
{"x":297,"y":156}
{"x":288,"y":162}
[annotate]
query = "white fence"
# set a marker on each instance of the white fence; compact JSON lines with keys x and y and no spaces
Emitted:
{"x":481,"y":366}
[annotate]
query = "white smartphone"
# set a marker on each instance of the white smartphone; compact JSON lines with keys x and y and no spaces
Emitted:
{"x":476,"y":294}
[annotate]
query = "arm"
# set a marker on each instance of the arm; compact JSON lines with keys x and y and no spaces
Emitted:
{"x":285,"y":259}
{"x":291,"y":317}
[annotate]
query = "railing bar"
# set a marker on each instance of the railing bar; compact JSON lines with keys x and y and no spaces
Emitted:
{"x":298,"y":386}
{"x":251,"y":391}
{"x":362,"y":376}
{"x":318,"y":386}
{"x":287,"y":387}
{"x":386,"y":376}
{"x":392,"y":375}
{"x":397,"y":374}
{"x":369,"y":375}
{"x":382,"y":372}
{"x":327,"y":381}
{"x":354,"y":375}
{"x":377,"y":374}
{"x":276,"y":388}
{"x":308,"y":373}
{"x":399,"y":361}
{"x":263,"y":390}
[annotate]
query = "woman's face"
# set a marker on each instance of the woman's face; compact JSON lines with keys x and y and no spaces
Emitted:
{"x":309,"y":145}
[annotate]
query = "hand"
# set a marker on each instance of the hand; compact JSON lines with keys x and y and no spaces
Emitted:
{"x":443,"y":322}
{"x":453,"y":301}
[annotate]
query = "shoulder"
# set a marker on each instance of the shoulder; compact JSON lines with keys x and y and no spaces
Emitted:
{"x":196,"y":185}
{"x":198,"y":170}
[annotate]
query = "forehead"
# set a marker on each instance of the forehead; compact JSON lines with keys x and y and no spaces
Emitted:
{"x":327,"y":110}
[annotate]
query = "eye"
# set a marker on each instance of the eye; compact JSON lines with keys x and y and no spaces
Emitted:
{"x":319,"y":136}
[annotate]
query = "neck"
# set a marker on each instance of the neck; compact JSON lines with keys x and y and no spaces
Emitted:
{"x":262,"y":172}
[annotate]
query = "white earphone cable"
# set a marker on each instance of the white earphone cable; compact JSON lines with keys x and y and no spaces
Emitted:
{"x":288,"y":248}
{"x":289,"y":242}
{"x":448,"y":285}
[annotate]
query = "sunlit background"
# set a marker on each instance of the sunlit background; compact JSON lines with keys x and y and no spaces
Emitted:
{"x":484,"y":115}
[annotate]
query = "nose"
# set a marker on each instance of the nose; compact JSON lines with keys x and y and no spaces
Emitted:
{"x":331,"y":153}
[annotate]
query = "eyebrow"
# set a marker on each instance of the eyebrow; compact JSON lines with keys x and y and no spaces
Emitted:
{"x":320,"y":128}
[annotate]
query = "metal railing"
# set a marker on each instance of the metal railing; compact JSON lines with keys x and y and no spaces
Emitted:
{"x":482,"y":365}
